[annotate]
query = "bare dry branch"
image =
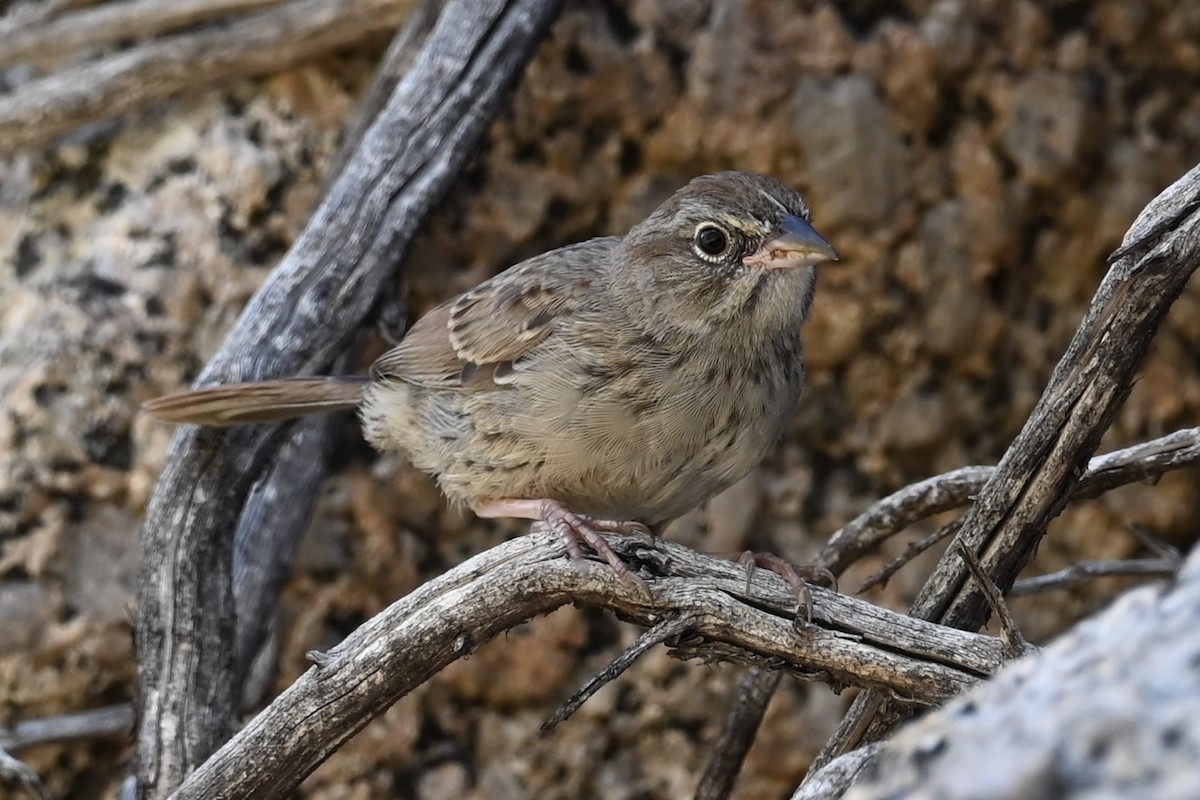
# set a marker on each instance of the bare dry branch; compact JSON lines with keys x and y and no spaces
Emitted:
{"x":108,"y":721}
{"x":255,"y":44}
{"x":1015,"y":643}
{"x":749,"y":704}
{"x":297,"y":323}
{"x":112,"y":22}
{"x":1041,"y":469}
{"x":278,"y":510}
{"x":958,"y":488}
{"x":671,"y":626}
{"x":395,"y":62}
{"x":1155,"y":544}
{"x":1087,"y":571}
{"x":914,"y":549}
{"x":850,"y":642}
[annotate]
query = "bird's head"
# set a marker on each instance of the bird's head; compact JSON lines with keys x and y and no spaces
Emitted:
{"x":728,"y":246}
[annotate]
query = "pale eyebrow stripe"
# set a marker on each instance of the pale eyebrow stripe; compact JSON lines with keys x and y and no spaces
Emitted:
{"x":773,"y":199}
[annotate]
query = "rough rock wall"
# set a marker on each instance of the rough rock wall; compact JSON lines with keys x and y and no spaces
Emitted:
{"x":974,"y":163}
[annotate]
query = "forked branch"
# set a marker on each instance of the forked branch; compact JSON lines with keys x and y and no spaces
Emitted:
{"x":850,"y":642}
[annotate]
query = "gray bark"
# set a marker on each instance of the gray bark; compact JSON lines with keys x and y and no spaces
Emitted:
{"x":849,"y":642}
{"x":1110,"y":709}
{"x":297,"y":323}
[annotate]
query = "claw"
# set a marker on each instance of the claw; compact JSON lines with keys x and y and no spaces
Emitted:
{"x":574,"y":529}
{"x":746,"y":560}
{"x":799,"y":577}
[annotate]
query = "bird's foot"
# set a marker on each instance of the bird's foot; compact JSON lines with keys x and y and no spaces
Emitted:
{"x":573,"y":528}
{"x":799,"y":576}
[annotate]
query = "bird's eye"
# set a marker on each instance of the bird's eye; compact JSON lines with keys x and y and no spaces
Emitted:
{"x":711,"y":240}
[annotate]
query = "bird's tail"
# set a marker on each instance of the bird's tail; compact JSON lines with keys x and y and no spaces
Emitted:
{"x":262,"y":401}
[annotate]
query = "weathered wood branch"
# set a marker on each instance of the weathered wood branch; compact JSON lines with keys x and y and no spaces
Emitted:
{"x":1111,"y":708}
{"x":1039,"y":471}
{"x":301,"y":318}
{"x":279,"y":508}
{"x":108,"y":721}
{"x":254,"y":44}
{"x":850,"y":642}
{"x":748,"y":704}
{"x":275,"y":517}
{"x":956,"y":489}
{"x":15,"y":773}
{"x":112,"y":22}
{"x":1086,"y":571}
{"x":1034,"y":479}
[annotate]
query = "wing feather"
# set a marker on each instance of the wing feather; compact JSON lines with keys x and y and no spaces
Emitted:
{"x":476,"y":340}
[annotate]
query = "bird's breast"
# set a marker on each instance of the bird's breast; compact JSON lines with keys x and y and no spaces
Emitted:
{"x":654,"y":431}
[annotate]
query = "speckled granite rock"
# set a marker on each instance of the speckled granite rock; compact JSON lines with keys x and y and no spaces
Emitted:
{"x":973,"y":162}
{"x":1111,"y":709}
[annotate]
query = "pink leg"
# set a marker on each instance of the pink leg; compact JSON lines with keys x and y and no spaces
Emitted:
{"x":573,"y":528}
{"x":798,"y":577}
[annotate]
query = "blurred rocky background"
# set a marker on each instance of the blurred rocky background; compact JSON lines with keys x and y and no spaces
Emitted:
{"x":973,"y":162}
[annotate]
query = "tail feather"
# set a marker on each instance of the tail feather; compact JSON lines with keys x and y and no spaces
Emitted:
{"x":262,"y":401}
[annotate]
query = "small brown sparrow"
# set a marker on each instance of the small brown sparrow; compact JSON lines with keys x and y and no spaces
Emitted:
{"x":604,"y":386}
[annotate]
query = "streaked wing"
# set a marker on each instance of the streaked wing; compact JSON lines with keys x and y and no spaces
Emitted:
{"x":474,"y":340}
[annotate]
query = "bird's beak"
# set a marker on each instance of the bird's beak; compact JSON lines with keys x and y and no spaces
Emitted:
{"x":794,"y":244}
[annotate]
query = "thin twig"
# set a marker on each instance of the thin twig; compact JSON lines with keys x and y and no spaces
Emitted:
{"x":897,"y":511}
{"x":1087,"y":571}
{"x":1160,"y":548}
{"x":1015,"y":644}
{"x":958,"y":488}
{"x":673,"y":625}
{"x":914,"y":549}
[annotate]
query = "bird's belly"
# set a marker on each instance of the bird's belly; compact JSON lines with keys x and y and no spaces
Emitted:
{"x":616,"y":451}
{"x":658,"y":487}
{"x":653,"y":458}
